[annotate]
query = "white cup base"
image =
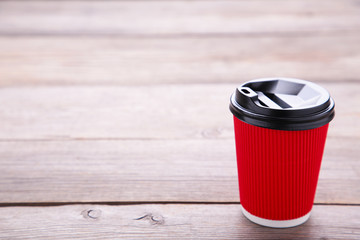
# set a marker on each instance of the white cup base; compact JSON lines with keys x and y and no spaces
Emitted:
{"x":275,"y":223}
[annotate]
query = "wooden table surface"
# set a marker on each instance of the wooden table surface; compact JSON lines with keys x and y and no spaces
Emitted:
{"x":115,"y":122}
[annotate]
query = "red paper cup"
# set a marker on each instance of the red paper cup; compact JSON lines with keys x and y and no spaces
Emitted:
{"x":280,"y":132}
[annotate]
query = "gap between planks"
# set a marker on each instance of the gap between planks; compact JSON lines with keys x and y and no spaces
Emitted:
{"x":164,"y":36}
{"x":100,"y":139}
{"x":52,"y":204}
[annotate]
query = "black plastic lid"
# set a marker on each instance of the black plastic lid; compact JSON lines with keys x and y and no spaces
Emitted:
{"x":283,"y":104}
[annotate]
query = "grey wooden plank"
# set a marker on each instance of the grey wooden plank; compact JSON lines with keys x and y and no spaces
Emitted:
{"x":37,"y":61}
{"x":167,"y":222}
{"x":151,"y":171}
{"x":141,"y":112}
{"x":177,"y":17}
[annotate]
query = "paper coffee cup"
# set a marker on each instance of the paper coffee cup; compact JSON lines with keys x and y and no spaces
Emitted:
{"x":280,"y":131}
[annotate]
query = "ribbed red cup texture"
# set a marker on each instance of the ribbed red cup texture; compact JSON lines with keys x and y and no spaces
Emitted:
{"x":278,"y":170}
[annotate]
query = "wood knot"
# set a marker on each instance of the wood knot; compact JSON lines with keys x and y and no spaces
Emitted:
{"x":153,"y":219}
{"x":91,"y":214}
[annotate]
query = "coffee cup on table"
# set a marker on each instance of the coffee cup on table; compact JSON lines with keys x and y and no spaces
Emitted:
{"x":280,"y":129}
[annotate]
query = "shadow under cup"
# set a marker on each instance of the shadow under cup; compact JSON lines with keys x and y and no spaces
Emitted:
{"x":280,"y":132}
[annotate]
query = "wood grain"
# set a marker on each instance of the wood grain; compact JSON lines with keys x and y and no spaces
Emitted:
{"x":168,"y":222}
{"x":177,"y":17}
{"x":38,"y":61}
{"x":141,"y":112}
{"x":151,"y":171}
